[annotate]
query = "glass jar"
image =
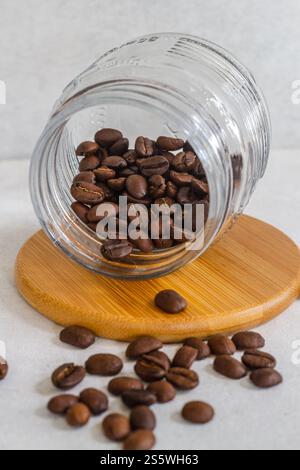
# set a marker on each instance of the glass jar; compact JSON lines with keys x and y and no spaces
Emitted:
{"x":161,"y":84}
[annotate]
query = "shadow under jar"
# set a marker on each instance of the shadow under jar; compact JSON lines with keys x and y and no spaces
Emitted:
{"x":161,"y":84}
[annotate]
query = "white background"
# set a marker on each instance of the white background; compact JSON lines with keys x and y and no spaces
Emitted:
{"x":45,"y":44}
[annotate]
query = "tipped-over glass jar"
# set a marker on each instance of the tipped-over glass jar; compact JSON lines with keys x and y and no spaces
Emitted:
{"x":161,"y":84}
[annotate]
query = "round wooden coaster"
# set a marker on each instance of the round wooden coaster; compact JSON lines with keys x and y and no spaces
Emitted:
{"x":247,"y":278}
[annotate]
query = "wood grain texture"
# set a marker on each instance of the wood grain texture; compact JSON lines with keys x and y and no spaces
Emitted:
{"x":247,"y":278}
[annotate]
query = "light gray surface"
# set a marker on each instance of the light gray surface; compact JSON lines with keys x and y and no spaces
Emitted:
{"x":246,"y":418}
{"x":45,"y":44}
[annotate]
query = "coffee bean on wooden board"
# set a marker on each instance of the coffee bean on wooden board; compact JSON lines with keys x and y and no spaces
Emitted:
{"x":141,"y":417}
{"x":152,"y":366}
{"x":266,"y":378}
{"x":202,"y":347}
{"x":120,"y":385}
{"x":143,"y":345}
{"x":95,"y":400}
{"x":170,"y":301}
{"x":116,"y":427}
{"x":198,"y":412}
{"x":169,"y":143}
{"x":68,"y":376}
{"x":77,"y":336}
{"x":142,"y":439}
{"x":185,"y":357}
{"x":230,"y":367}
{"x":248,"y":340}
{"x":133,"y":398}
{"x":60,"y":404}
{"x":163,"y":390}
{"x":78,"y":415}
{"x":107,"y":137}
{"x":220,"y":345}
{"x":3,"y":368}
{"x":104,"y":364}
{"x":183,"y":379}
{"x":255,"y":359}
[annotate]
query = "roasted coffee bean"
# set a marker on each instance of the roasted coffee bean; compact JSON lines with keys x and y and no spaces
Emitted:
{"x":183,"y":379}
{"x":255,"y":359}
{"x":130,"y":157}
{"x":117,"y":184}
{"x":187,"y":147}
{"x":157,"y":165}
{"x":137,"y":186}
{"x":87,"y":193}
{"x":200,"y":187}
{"x":184,"y":162}
{"x":104,"y":173}
{"x":230,"y":367}
{"x":143,"y":244}
{"x":120,"y":385}
{"x":80,"y":210}
{"x":3,"y":368}
{"x":104,"y":364}
{"x":78,"y":415}
{"x":115,"y":162}
{"x":133,"y":398}
{"x":152,"y":366}
{"x":108,"y":193}
{"x":141,"y":417}
{"x":89,"y":163}
{"x":142,"y":439}
{"x":168,"y":155}
{"x":169,"y":143}
{"x":171,"y":190}
{"x":185,"y":195}
{"x":60,"y":404}
{"x":220,"y":345}
{"x":144,"y":147}
{"x":198,"y":412}
{"x":119,"y":147}
{"x":170,"y":301}
{"x":68,"y":376}
{"x":128,"y":172}
{"x":146,"y":201}
{"x":143,"y":345}
{"x":95,"y":400}
{"x":108,"y":209}
{"x":162,"y":244}
{"x":266,"y":378}
{"x":87,"y":148}
{"x":116,"y":427}
{"x":164,"y":201}
{"x":86,"y":176}
{"x":116,"y":249}
{"x":202,"y":347}
{"x":107,"y":137}
{"x":185,"y":357}
{"x":164,"y":391}
{"x":199,"y":170}
{"x":157,"y":186}
{"x":248,"y":340}
{"x":77,"y":336}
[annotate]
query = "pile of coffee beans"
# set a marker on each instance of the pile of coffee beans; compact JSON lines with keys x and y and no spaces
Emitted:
{"x":157,"y":380}
{"x":149,"y":173}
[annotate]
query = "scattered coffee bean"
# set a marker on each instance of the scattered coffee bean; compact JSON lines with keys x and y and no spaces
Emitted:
{"x":230,"y":367}
{"x":120,"y":385}
{"x":142,"y":439}
{"x":87,"y":193}
{"x":104,"y":364}
{"x":198,"y":412}
{"x":143,"y":345}
{"x":248,"y":340}
{"x":68,"y":376}
{"x":116,"y":427}
{"x":77,"y":336}
{"x":170,"y":301}
{"x":141,"y":417}
{"x":133,"y":398}
{"x":116,"y":249}
{"x":164,"y":391}
{"x":169,"y":143}
{"x":87,"y":148}
{"x":3,"y":368}
{"x":152,"y":366}
{"x":255,"y":359}
{"x":221,"y":345}
{"x":78,"y":415}
{"x":60,"y":404}
{"x":185,"y":357}
{"x":202,"y":347}
{"x":95,"y":400}
{"x":266,"y":378}
{"x":107,"y":137}
{"x":183,"y":379}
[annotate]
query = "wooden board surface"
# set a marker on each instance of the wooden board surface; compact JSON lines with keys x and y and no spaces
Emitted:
{"x":245,"y":279}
